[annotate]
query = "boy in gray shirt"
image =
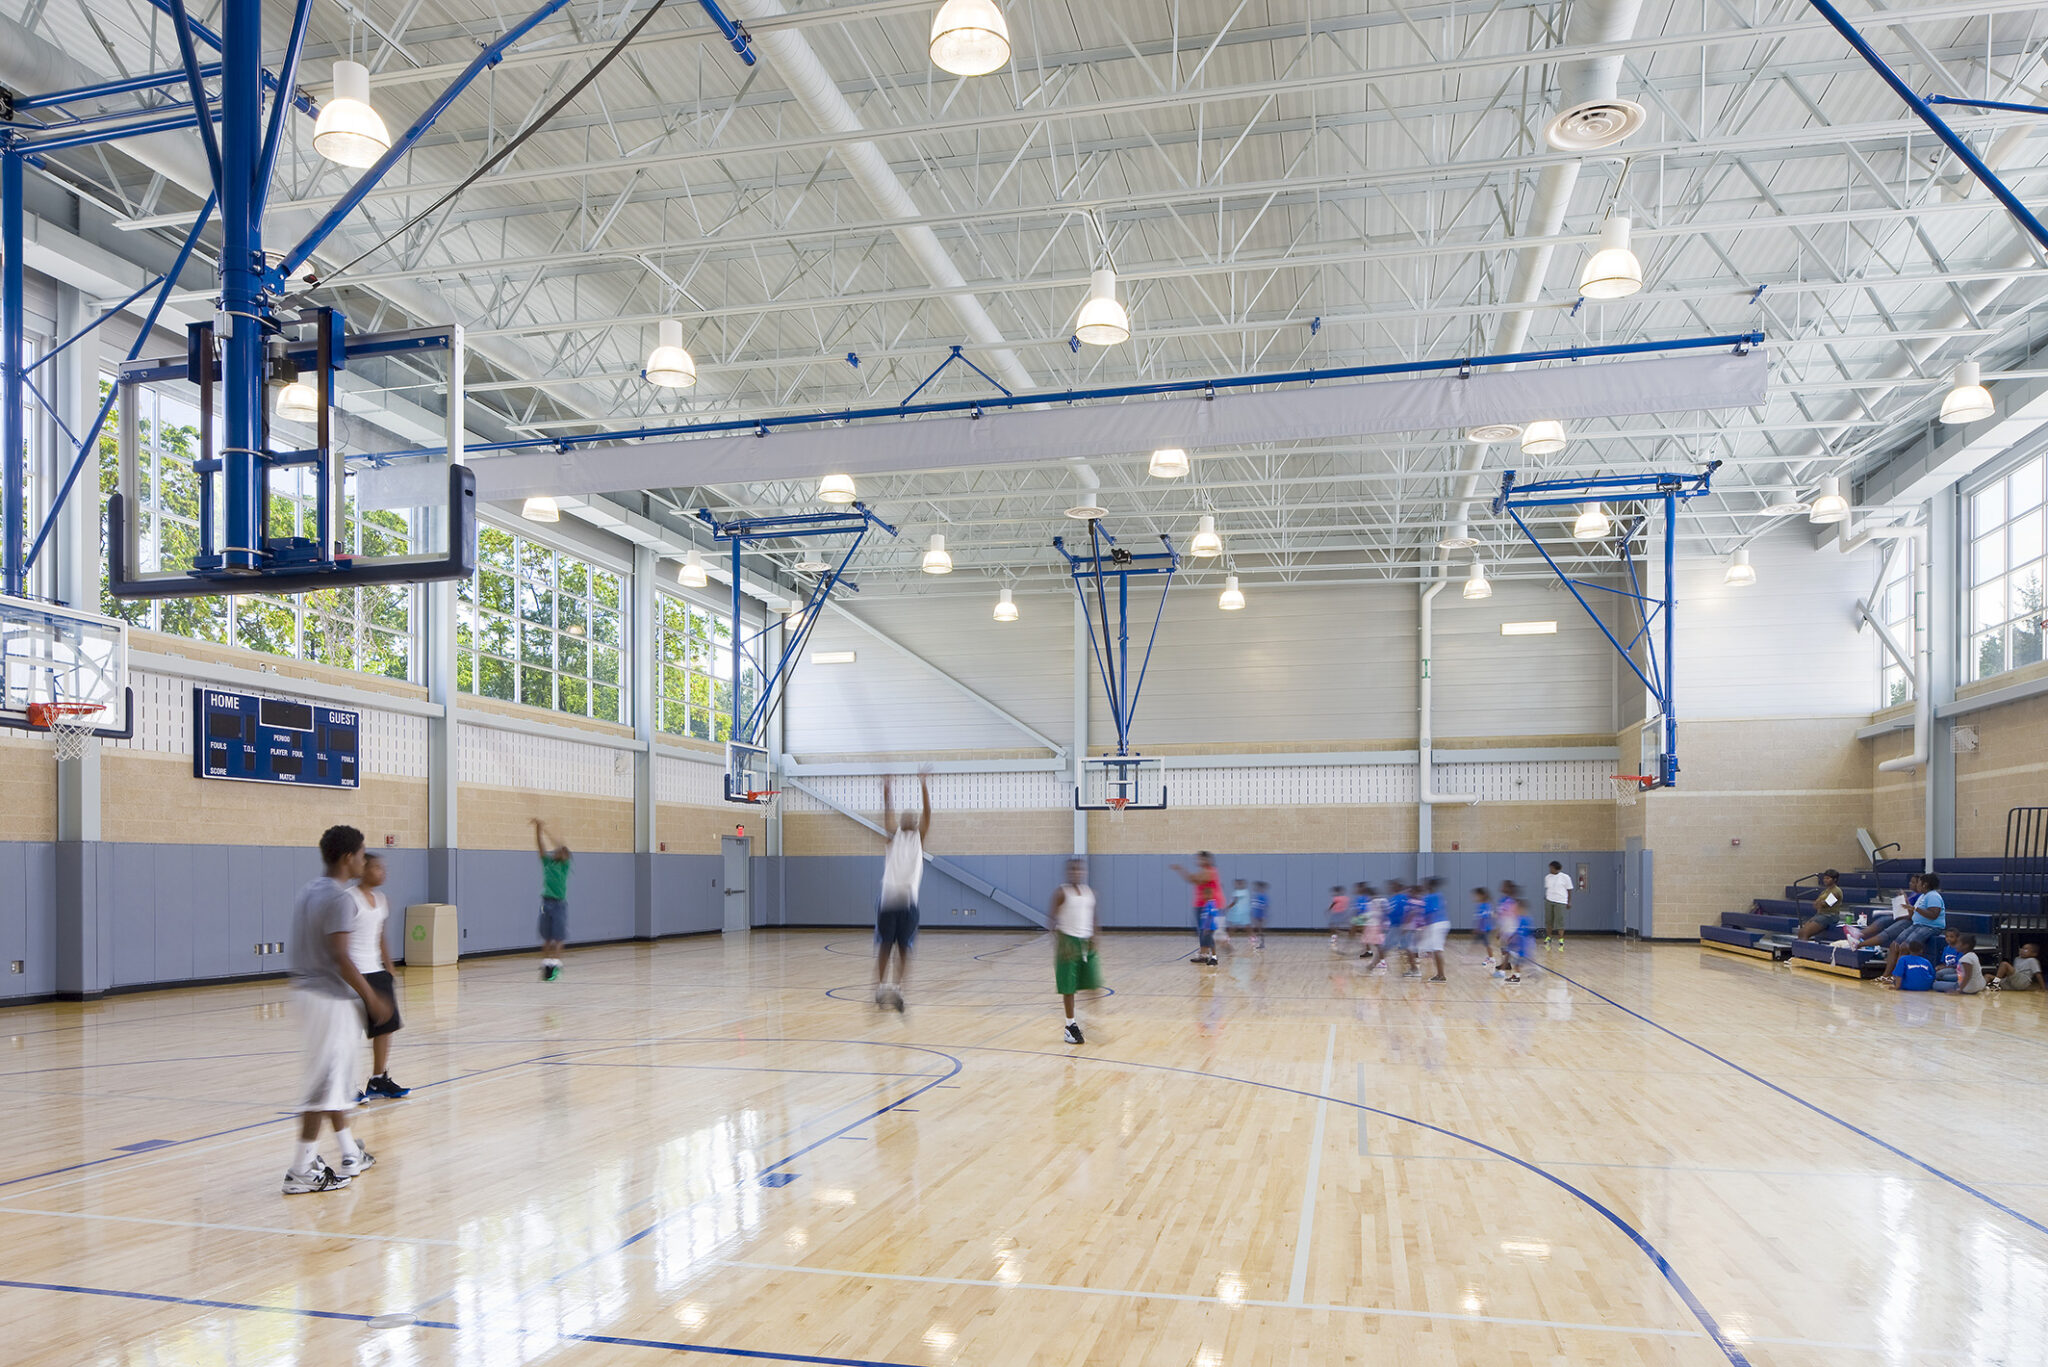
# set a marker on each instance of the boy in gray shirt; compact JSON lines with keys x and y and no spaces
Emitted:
{"x":328,"y":995}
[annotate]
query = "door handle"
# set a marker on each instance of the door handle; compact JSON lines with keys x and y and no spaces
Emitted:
{"x":735,"y":892}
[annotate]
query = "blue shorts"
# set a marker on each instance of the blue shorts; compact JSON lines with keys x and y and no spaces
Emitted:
{"x":554,"y":919}
{"x":896,"y":927}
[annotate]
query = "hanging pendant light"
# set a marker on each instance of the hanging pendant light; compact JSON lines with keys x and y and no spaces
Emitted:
{"x":1967,"y":399}
{"x":1206,"y":542}
{"x":1593,"y":523}
{"x":691,"y":573}
{"x":1543,"y":438}
{"x":540,"y":508}
{"x":668,"y":365}
{"x":1829,"y":505}
{"x":1103,"y":321}
{"x":1232,"y":597}
{"x":835,"y":489}
{"x":970,"y":38}
{"x":936,"y":561}
{"x":1168,"y":463}
{"x":1475,"y":582}
{"x":298,"y":400}
{"x":1006,"y":607}
{"x":348,"y":131}
{"x":1612,"y":272}
{"x":1741,"y":574}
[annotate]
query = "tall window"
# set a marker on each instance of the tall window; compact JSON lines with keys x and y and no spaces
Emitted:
{"x":1895,"y":610}
{"x":2006,"y":571}
{"x":694,"y":680}
{"x":367,"y":629}
{"x":541,"y":627}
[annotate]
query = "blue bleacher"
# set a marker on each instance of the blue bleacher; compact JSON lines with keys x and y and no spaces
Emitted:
{"x":1772,"y":923}
{"x":1830,"y":957}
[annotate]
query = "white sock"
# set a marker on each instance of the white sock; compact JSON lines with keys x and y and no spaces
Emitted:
{"x":1072,"y":1021}
{"x":551,"y":963}
{"x":308,"y":1150}
{"x":349,"y":1147}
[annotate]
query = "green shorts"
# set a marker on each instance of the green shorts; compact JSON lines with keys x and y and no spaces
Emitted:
{"x":1076,"y":967}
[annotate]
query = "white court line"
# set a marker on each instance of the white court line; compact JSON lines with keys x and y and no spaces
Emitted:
{"x":238,"y":1229}
{"x":1298,"y":1287}
{"x":1457,"y":1316}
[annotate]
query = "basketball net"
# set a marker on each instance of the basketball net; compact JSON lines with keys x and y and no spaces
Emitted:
{"x":70,"y":724}
{"x":1116,"y":808}
{"x":1626,"y":790}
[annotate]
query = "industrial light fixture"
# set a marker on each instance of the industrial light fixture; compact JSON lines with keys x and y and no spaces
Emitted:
{"x":349,"y":132}
{"x":1528,"y":628}
{"x":1103,"y":321}
{"x":1168,"y":463}
{"x":298,"y":400}
{"x":810,"y":564}
{"x":1593,"y":523}
{"x":835,"y":489}
{"x":1206,"y":542}
{"x":936,"y":561}
{"x":1486,"y":433}
{"x":832,"y":657}
{"x":1458,"y":538}
{"x":668,"y":365}
{"x":1828,"y":504}
{"x":1967,"y":399}
{"x":540,"y":508}
{"x":1741,"y":574}
{"x":1543,"y":438}
{"x":969,"y":38}
{"x":1475,"y":582}
{"x":691,"y":574}
{"x":1613,"y":272}
{"x":1232,"y":597}
{"x":1006,"y":607}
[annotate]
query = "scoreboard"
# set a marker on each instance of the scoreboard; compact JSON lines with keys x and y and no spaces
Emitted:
{"x":274,"y":740}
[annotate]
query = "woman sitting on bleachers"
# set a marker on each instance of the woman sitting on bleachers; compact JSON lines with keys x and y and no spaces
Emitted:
{"x":1912,"y":934}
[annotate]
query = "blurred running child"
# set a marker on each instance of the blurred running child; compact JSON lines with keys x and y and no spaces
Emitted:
{"x":1075,"y":968}
{"x":373,"y":960}
{"x":1433,"y":930}
{"x":1239,"y":917}
{"x":554,"y":900}
{"x":1511,"y":930}
{"x":1372,"y":934}
{"x":1397,"y":918}
{"x":1482,"y":924}
{"x":1262,"y":902}
{"x":1208,"y":892}
{"x":902,"y":878}
{"x":1340,"y":919}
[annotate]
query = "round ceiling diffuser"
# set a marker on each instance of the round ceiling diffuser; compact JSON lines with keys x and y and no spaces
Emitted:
{"x":1595,"y":124}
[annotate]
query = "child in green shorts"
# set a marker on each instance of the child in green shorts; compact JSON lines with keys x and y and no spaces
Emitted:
{"x":1075,"y":966}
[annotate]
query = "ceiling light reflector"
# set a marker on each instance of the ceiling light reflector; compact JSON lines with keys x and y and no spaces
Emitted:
{"x":936,"y":560}
{"x":691,"y":573}
{"x":1006,"y":607}
{"x":1829,"y":505}
{"x":1741,"y":574}
{"x":668,"y":365}
{"x":540,"y":508}
{"x":1206,"y":542}
{"x":1232,"y":597}
{"x":348,"y":131}
{"x":1168,"y":463}
{"x":970,"y":38}
{"x":1543,"y":438}
{"x":1967,"y":399}
{"x":1613,"y":272}
{"x":1103,"y":321}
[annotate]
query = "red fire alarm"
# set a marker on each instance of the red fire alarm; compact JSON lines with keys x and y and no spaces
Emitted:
{"x":1454,"y":844}
{"x":740,"y":831}
{"x":391,"y":840}
{"x":664,"y":847}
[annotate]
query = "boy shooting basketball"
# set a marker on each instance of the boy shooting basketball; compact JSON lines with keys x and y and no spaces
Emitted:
{"x":554,"y":901}
{"x":902,"y":876}
{"x":1208,"y":889}
{"x":1075,"y":967}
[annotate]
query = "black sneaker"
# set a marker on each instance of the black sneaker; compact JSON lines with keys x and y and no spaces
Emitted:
{"x":382,"y":1085}
{"x":1074,"y":1034}
{"x":319,"y":1177}
{"x":547,"y":973}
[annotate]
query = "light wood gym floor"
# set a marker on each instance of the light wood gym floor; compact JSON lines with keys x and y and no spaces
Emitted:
{"x":718,"y":1148}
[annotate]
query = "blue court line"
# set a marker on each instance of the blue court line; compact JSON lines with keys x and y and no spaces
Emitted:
{"x":147,"y":1062}
{"x":614,"y":1340}
{"x":1678,"y":1284}
{"x":1818,"y":1110}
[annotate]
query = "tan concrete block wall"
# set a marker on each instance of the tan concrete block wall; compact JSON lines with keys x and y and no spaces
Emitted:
{"x":685,"y":829}
{"x":28,"y":789}
{"x":955,"y":832}
{"x":2009,"y":768}
{"x":501,"y":819}
{"x":286,"y":669}
{"x":154,"y":798}
{"x":1275,"y":830}
{"x":1896,"y":800}
{"x":1526,"y":826}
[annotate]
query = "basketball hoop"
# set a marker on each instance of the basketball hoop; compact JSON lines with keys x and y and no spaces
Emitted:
{"x":764,"y":797}
{"x":1627,"y":787}
{"x":70,"y":724}
{"x":1116,"y":808}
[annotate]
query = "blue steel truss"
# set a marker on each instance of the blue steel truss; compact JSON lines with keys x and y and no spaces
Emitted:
{"x":1102,"y":561}
{"x":1652,"y":610}
{"x":750,"y":720}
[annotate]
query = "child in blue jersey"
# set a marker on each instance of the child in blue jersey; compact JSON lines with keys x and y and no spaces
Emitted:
{"x":1482,"y":923}
{"x":1262,"y":902}
{"x":1511,"y":932}
{"x":1397,"y":918}
{"x":1432,"y":930}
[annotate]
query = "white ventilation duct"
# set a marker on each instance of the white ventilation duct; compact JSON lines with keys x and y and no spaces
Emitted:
{"x":790,"y":52}
{"x":1425,"y":757}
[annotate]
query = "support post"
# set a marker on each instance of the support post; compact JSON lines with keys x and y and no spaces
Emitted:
{"x":641,"y":701}
{"x":241,"y":288}
{"x":444,"y":753}
{"x":76,"y":580}
{"x":1667,"y":762}
{"x":1078,"y":752}
{"x":1944,"y":614}
{"x":13,"y":446}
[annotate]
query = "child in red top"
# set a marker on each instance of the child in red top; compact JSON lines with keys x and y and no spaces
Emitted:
{"x":1208,"y":890}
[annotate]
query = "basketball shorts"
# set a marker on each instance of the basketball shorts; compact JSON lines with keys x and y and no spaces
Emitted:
{"x":1553,"y":917}
{"x":1076,"y":966}
{"x":329,"y":1028}
{"x":380,"y":983}
{"x":1205,"y":925}
{"x":896,"y":927}
{"x":1430,"y":937}
{"x":554,"y":919}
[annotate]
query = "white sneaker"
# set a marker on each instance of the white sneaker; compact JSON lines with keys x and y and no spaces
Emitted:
{"x":319,"y":1177}
{"x":358,"y":1164}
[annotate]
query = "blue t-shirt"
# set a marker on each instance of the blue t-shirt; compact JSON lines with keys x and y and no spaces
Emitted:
{"x":1433,"y":908}
{"x":1397,"y":909}
{"x":1930,"y":910}
{"x":1949,"y":955}
{"x":1482,"y":913}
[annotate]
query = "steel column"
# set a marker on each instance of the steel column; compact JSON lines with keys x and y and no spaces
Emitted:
{"x":13,"y":452}
{"x":241,"y":286}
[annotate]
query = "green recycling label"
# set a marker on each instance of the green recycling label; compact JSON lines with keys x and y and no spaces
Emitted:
{"x":419,"y":932}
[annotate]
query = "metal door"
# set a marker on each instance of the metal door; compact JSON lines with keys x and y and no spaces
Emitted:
{"x":738,"y":906}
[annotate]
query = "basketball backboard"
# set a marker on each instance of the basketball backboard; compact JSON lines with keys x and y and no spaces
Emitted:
{"x":64,"y":663}
{"x":1117,"y":783}
{"x":746,"y":774}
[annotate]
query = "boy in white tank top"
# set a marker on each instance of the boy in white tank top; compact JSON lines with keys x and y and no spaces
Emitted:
{"x":1075,"y":967}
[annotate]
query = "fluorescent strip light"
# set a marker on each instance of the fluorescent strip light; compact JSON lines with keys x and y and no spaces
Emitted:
{"x":1528,"y":628}
{"x":837,"y":657}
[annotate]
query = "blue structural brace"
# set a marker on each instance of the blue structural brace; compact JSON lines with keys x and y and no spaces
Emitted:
{"x":14,"y":456}
{"x":1667,"y":489}
{"x":1105,"y":560}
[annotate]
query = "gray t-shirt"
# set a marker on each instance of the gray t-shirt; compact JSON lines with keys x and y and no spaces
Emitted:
{"x":324,"y":908}
{"x":2024,"y":971}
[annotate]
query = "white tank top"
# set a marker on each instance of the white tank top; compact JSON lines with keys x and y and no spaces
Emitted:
{"x":1076,"y":916}
{"x":903,"y":869}
{"x":366,"y":937}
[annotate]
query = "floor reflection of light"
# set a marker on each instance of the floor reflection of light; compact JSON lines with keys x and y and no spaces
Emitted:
{"x":940,"y":1339}
{"x":797,"y":1238}
{"x":838,"y":1196}
{"x":690,"y":1315}
{"x":1230,"y":1289}
{"x":1472,"y":1302}
{"x":1209,"y":1357}
{"x":1525,"y":1248}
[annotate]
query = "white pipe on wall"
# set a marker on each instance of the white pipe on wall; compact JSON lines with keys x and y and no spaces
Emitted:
{"x":1425,"y":776}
